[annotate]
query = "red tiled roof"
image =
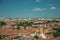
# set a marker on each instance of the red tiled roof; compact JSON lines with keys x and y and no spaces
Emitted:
{"x":14,"y":32}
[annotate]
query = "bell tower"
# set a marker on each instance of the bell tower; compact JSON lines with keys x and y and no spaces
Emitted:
{"x":42,"y":32}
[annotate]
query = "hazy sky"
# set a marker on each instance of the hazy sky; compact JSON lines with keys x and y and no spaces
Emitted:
{"x":30,"y":8}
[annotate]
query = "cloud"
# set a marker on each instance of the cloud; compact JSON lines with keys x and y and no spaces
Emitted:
{"x":53,"y":7}
{"x":37,"y":0}
{"x":38,"y":9}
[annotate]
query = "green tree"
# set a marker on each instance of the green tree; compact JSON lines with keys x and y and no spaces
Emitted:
{"x":25,"y":24}
{"x":34,"y":26}
{"x":2,"y":24}
{"x":30,"y":23}
{"x":36,"y":37}
{"x":18,"y":26}
{"x":56,"y":33}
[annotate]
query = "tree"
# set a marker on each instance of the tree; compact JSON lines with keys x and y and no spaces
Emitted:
{"x":2,"y":23}
{"x":34,"y":26}
{"x":30,"y":23}
{"x":25,"y":24}
{"x":2,"y":36}
{"x":56,"y":33}
{"x":18,"y":26}
{"x":36,"y":37}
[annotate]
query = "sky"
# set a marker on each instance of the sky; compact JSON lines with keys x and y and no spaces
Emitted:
{"x":29,"y":8}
